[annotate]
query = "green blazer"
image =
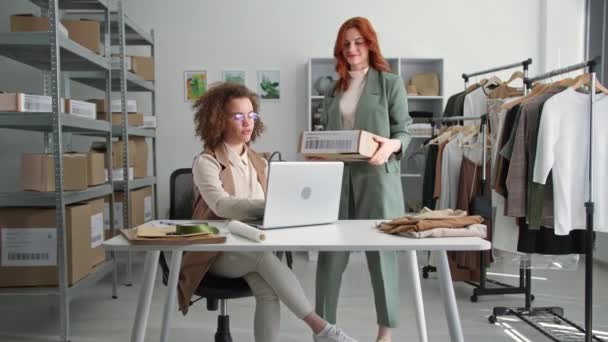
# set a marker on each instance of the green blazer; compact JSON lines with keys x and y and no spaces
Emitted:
{"x":368,"y":191}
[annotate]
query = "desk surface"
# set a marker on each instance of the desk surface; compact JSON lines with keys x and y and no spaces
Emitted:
{"x":356,"y":235}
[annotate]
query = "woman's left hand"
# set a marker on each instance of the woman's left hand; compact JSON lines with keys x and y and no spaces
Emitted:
{"x":386,"y":148}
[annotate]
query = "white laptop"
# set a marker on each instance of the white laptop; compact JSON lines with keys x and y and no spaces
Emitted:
{"x":301,"y":194}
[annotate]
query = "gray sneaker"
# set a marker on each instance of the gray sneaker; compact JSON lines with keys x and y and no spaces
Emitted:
{"x":334,"y":335}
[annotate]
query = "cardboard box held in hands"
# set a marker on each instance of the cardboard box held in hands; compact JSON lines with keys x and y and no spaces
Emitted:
{"x":354,"y":145}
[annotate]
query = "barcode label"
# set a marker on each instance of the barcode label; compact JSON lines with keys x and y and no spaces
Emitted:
{"x":118,"y":217}
{"x":35,"y":103}
{"x":147,"y":208}
{"x":331,"y":142}
{"x":84,"y":109}
{"x":26,"y":247}
{"x":28,"y":256}
{"x":323,"y":144}
{"x":96,"y":230}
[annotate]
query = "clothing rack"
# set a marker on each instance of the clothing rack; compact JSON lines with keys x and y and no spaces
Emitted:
{"x":535,"y":316}
{"x":525,"y":275}
{"x":523,"y":64}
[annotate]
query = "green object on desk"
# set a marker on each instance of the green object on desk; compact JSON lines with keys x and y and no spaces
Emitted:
{"x":192,"y":228}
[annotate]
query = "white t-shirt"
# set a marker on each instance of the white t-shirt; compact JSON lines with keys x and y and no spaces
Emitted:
{"x":475,"y":103}
{"x":563,"y":148}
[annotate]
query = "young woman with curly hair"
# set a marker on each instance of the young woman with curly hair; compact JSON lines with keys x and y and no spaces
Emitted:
{"x":230,"y":183}
{"x":367,"y":97}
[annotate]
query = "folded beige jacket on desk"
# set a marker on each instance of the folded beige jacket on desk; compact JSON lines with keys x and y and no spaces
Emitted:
{"x":474,"y":230}
{"x":416,"y":225}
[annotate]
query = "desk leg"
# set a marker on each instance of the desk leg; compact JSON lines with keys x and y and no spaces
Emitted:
{"x":138,"y":333}
{"x":176,"y":261}
{"x":412,"y":264}
{"x":449,"y":298}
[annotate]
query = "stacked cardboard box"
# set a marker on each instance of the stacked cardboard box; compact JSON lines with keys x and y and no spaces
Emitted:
{"x":38,"y":172}
{"x":138,"y":155}
{"x":19,"y":102}
{"x":28,"y":241}
{"x":81,"y":108}
{"x":133,"y":118}
{"x":139,"y":65}
{"x":84,"y":32}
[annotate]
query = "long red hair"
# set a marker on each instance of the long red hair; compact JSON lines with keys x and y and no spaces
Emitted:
{"x":376,"y":60}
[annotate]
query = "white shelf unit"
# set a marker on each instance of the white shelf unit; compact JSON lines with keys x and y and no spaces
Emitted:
{"x":406,"y":68}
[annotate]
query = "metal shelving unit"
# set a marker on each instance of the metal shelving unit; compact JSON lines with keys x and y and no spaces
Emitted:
{"x":135,"y":184}
{"x":48,"y":199}
{"x":131,"y":34}
{"x":55,"y":53}
{"x":134,"y":131}
{"x":135,"y":83}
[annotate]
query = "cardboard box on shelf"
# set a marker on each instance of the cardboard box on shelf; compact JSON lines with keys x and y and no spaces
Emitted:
{"x":28,"y":241}
{"x":97,"y":252}
{"x":135,"y":120}
{"x":142,"y":209}
{"x":139,"y":65}
{"x":149,"y":121}
{"x":115,"y":106}
{"x":143,"y":66}
{"x":138,"y":154}
{"x":100,"y":146}
{"x":85,"y":32}
{"x":31,"y":23}
{"x":19,"y":102}
{"x":140,"y":157}
{"x":38,"y":172}
{"x":353,"y":145}
{"x":95,"y":168}
{"x":81,"y":108}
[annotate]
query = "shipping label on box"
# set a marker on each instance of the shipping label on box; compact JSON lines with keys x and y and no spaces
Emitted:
{"x":118,"y":217}
{"x":330,"y":142}
{"x":147,"y":209}
{"x":34,"y":103}
{"x":149,"y":121}
{"x":81,"y":108}
{"x":29,"y":247}
{"x":118,"y":175}
{"x":97,"y":222}
{"x":345,"y":145}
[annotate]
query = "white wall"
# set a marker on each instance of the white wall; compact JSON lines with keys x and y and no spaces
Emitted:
{"x":212,"y":35}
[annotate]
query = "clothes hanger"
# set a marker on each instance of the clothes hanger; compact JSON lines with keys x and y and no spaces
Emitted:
{"x":585,"y":79}
{"x":514,"y":76}
{"x":536,"y":90}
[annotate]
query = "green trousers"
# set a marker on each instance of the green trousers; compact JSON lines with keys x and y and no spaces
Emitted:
{"x":383,"y":270}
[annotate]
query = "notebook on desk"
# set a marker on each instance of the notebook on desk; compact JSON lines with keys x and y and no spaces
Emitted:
{"x":301,"y":194}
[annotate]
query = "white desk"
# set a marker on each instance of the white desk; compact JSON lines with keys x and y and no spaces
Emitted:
{"x":360,"y":235}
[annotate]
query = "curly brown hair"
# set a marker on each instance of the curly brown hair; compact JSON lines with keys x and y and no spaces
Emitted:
{"x":210,"y":115}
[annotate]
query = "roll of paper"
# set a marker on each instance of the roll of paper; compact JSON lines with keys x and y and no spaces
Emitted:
{"x":246,"y":231}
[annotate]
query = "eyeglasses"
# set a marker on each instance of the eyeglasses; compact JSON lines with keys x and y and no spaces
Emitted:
{"x":241,"y":117}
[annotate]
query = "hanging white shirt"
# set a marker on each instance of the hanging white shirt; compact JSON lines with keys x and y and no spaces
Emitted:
{"x":350,"y":98}
{"x":476,"y":102}
{"x":563,"y":148}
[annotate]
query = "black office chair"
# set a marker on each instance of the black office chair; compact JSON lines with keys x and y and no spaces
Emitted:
{"x":216,"y":290}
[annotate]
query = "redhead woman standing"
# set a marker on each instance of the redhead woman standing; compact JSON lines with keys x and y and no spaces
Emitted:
{"x":366,"y":97}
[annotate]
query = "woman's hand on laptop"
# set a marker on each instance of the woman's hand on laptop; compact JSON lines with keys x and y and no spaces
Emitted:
{"x":386,"y":148}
